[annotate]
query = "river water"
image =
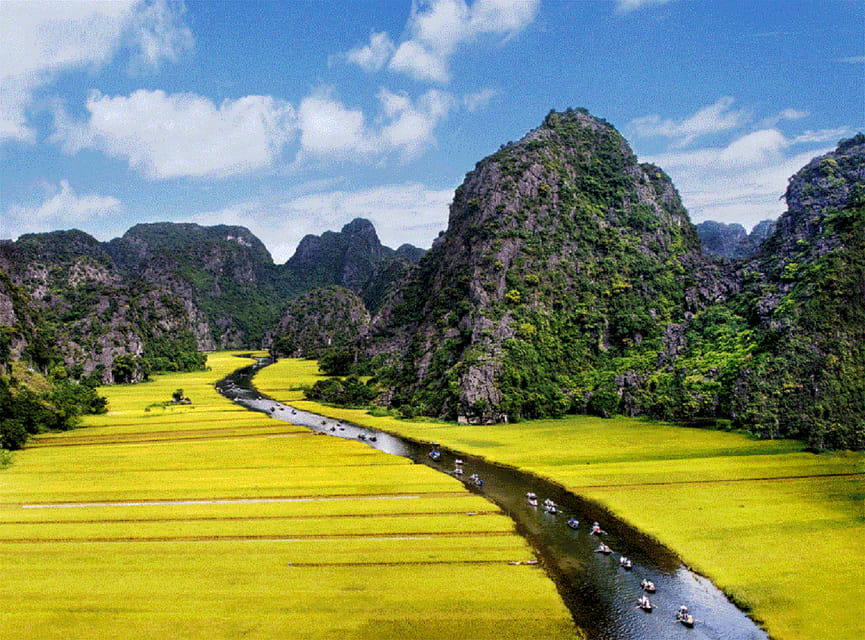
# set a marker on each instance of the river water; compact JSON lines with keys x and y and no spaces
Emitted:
{"x":600,"y":594}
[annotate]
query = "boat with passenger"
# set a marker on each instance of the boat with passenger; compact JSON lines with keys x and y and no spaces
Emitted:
{"x":684,"y":617}
{"x":596,"y":530}
{"x":602,"y":548}
{"x":532,"y":499}
{"x":625,"y":563}
{"x":573,"y":523}
{"x":644,"y":603}
{"x":648,"y":585}
{"x":550,"y":507}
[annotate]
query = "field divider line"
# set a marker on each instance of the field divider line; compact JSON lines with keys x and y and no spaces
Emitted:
{"x":218,"y":501}
{"x":169,"y":503}
{"x":427,"y":535}
{"x":86,"y":443}
{"x":673,"y":483}
{"x":336,"y":516}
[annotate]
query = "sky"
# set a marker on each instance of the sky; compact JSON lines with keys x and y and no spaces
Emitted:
{"x":295,"y":117}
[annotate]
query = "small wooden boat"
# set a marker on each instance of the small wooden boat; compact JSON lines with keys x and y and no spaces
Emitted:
{"x":435,"y":455}
{"x":361,"y":436}
{"x":596,"y":530}
{"x":573,"y":523}
{"x":684,"y":617}
{"x":372,"y":438}
{"x":475,"y":479}
{"x":458,"y":461}
{"x":648,"y":586}
{"x":625,"y":563}
{"x":532,"y":499}
{"x":602,"y":548}
{"x":458,"y":471}
{"x":550,"y":507}
{"x":644,"y":604}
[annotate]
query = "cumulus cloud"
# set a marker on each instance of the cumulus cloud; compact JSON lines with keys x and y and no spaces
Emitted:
{"x":401,"y":213}
{"x":742,"y":181}
{"x":374,"y":56}
{"x":715,"y":118}
{"x":50,"y":38}
{"x":410,"y":126}
{"x":406,"y":126}
{"x":181,"y":135}
{"x":327,"y":127}
{"x":436,"y":29}
{"x":63,"y":209}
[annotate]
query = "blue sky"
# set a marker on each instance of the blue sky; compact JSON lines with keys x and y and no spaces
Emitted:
{"x":295,"y":117}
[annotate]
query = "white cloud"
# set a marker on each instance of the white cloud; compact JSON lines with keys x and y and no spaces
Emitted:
{"x":401,"y":213}
{"x":374,"y":56}
{"x":411,"y":127}
{"x":64,"y":209}
{"x":436,"y":30}
{"x":40,"y":40}
{"x":182,"y":135}
{"x":716,"y":118}
{"x":743,"y":181}
{"x":480,"y":99}
{"x":329,"y":128}
{"x":627,"y":6}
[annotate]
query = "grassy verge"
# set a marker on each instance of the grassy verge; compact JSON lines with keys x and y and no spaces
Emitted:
{"x":779,"y":529}
{"x":210,"y":521}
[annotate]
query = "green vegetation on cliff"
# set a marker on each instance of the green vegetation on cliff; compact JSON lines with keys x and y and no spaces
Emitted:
{"x":570,"y":280}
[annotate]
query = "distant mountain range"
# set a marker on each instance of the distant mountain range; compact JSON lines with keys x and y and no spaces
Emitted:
{"x":164,"y":291}
{"x":731,"y":240}
{"x":569,"y":279}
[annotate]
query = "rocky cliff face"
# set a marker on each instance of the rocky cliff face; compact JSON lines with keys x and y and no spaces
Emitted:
{"x":731,"y":240}
{"x":352,"y":258}
{"x":805,"y":294}
{"x":570,"y":279}
{"x":165,"y":290}
{"x":561,"y":251}
{"x":322,"y":320}
{"x":81,"y":306}
{"x":224,"y":271}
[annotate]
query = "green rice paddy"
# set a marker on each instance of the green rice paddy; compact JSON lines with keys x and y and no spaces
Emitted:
{"x":780,"y":530}
{"x":211,"y":521}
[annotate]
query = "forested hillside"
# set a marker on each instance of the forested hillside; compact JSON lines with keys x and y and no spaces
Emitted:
{"x":570,"y":279}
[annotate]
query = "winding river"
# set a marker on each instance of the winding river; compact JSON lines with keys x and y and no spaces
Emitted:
{"x":600,"y":594}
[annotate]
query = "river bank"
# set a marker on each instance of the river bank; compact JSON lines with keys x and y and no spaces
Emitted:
{"x":776,"y":527}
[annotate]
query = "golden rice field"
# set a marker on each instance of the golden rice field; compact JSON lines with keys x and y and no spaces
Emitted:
{"x":210,"y":521}
{"x":779,"y":529}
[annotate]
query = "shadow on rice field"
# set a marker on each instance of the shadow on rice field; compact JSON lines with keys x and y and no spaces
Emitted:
{"x":210,"y":521}
{"x":779,"y":529}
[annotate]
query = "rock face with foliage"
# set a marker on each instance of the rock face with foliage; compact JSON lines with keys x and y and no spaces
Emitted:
{"x":570,"y":279}
{"x":803,"y":299}
{"x":324,"y":319}
{"x":72,"y":306}
{"x":155,"y":298}
{"x":352,"y":258}
{"x":731,"y":240}
{"x":564,"y":264}
{"x":224,"y":271}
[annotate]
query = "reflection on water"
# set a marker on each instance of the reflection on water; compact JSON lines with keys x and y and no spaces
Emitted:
{"x":601,"y":595}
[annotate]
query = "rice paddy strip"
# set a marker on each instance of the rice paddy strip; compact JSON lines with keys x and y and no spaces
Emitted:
{"x":209,"y":521}
{"x":776,"y":527}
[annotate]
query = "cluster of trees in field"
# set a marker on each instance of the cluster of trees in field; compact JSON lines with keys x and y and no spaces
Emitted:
{"x":31,"y":403}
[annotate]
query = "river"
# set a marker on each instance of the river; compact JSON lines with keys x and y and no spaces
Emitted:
{"x":600,"y":594}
